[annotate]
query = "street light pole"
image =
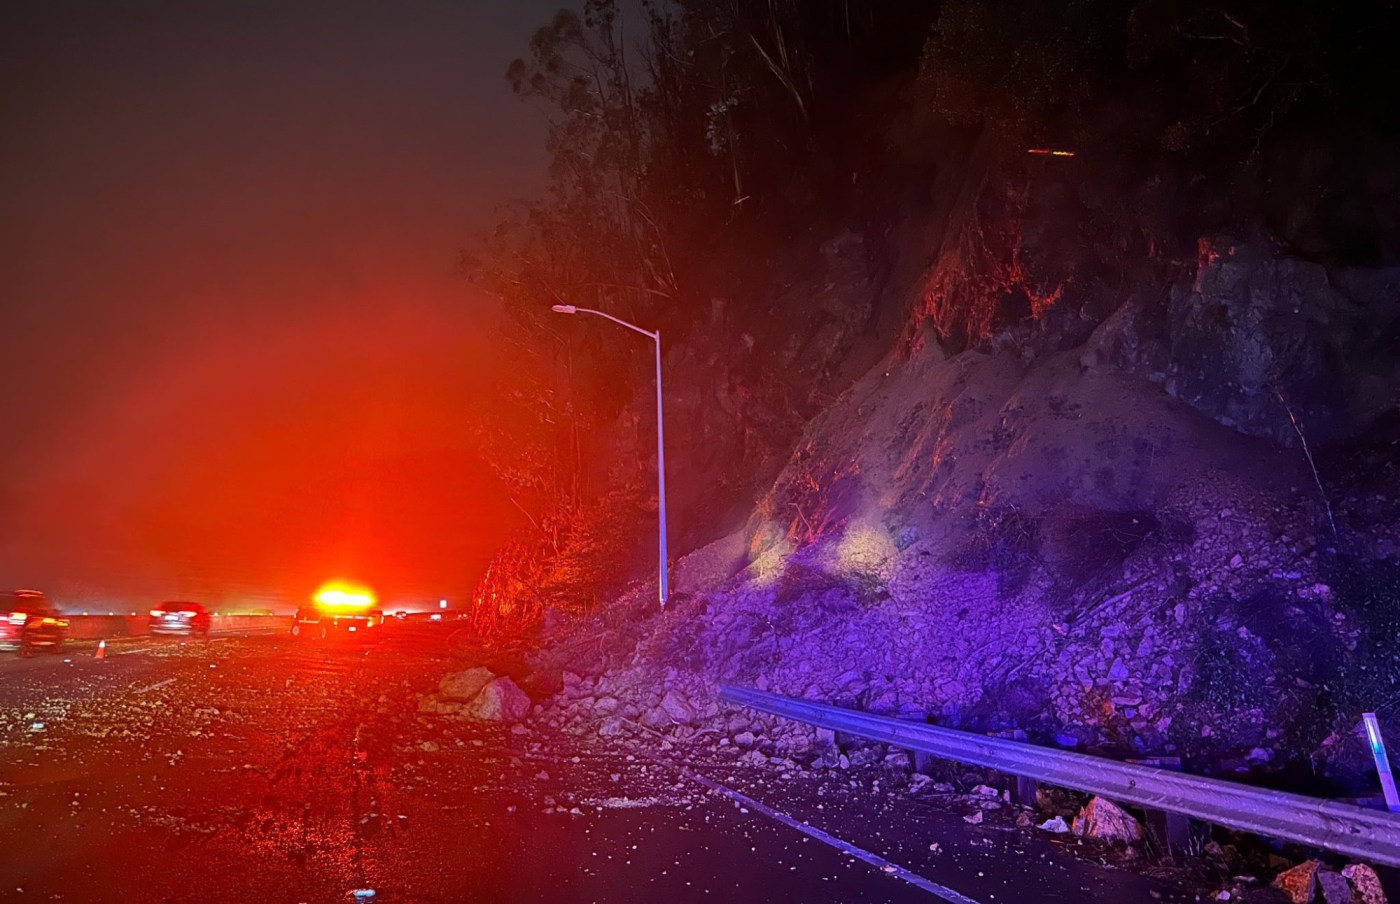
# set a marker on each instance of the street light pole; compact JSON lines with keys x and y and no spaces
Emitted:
{"x":660,"y":440}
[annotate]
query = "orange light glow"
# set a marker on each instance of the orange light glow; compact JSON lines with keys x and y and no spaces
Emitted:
{"x":1050,"y":152}
{"x":341,"y":596}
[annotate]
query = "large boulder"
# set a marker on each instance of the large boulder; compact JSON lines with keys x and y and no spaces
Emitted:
{"x":678,"y":708}
{"x":499,"y":701}
{"x":1256,"y":339}
{"x":1253,"y":325}
{"x":1106,"y":820}
{"x":465,"y":685}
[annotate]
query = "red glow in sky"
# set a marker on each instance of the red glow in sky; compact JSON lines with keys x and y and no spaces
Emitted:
{"x":236,"y":358}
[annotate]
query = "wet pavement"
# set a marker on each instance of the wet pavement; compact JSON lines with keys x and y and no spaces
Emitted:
{"x":263,"y":769}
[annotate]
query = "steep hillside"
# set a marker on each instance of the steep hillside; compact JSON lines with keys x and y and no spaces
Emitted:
{"x":1120,"y":545}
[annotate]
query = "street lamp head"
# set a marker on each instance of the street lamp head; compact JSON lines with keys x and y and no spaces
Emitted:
{"x":565,"y":309}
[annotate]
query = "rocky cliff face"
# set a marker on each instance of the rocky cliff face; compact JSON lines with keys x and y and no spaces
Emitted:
{"x":1254,"y":336}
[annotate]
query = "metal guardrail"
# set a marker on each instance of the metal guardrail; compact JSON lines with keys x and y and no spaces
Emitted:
{"x":99,"y":627}
{"x":1371,"y":835}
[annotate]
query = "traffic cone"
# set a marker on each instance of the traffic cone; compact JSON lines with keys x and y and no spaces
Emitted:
{"x":101,"y":650}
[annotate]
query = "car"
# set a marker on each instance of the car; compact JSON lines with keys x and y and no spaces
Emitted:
{"x":30,"y":623}
{"x":185,"y":618}
{"x":401,"y":615}
{"x":337,"y":612}
{"x":316,"y":622}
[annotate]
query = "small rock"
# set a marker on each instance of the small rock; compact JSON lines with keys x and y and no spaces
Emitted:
{"x":897,"y":761}
{"x":655,"y":718}
{"x":974,"y":817}
{"x":744,"y":739}
{"x":1298,"y":883}
{"x":1333,"y":888}
{"x":1236,"y":560}
{"x":1365,"y":883}
{"x":1055,"y":824}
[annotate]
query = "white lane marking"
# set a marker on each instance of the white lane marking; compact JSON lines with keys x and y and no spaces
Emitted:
{"x":156,"y":685}
{"x":875,"y":860}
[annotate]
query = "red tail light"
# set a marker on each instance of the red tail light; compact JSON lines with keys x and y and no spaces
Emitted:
{"x":18,"y":618}
{"x":157,"y":613}
{"x":188,"y":614}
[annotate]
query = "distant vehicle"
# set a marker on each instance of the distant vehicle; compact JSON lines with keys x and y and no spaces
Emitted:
{"x":337,"y":611}
{"x":436,"y":616}
{"x":30,"y":623}
{"x":401,"y":615}
{"x":185,"y":618}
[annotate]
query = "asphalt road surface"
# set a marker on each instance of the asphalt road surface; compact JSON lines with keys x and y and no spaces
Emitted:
{"x":266,"y":769}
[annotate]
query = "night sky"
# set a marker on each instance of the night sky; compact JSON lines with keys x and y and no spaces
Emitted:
{"x":236,"y":354}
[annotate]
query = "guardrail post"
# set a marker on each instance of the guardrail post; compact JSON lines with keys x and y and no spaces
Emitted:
{"x":840,"y":738}
{"x":1023,"y":789}
{"x":1169,"y":830}
{"x":1023,"y":792}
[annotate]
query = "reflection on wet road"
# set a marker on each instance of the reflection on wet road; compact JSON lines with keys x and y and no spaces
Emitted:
{"x":262,"y":769}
